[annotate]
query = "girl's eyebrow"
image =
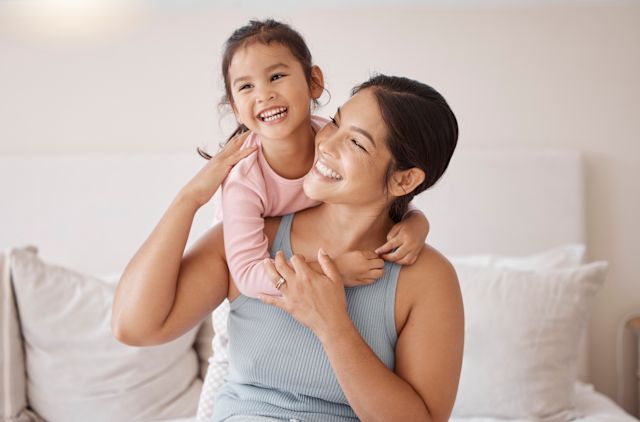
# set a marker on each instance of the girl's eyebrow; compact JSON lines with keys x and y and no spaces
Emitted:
{"x":359,"y":130}
{"x":267,"y":69}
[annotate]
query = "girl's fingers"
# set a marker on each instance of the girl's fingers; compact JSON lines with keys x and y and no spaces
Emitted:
{"x":388,"y":247}
{"x":375,"y":274}
{"x":377,"y":263}
{"x":396,"y":255}
{"x":328,"y":266}
{"x":370,"y":254}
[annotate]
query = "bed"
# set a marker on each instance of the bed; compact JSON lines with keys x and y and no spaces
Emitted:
{"x":86,"y":215}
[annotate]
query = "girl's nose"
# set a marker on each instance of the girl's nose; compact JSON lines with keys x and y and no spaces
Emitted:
{"x":264,"y":95}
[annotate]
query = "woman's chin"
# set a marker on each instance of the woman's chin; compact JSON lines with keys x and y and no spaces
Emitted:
{"x":318,"y":188}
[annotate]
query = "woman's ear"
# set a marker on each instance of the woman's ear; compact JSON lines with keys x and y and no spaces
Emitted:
{"x":317,"y":82}
{"x":405,"y":181}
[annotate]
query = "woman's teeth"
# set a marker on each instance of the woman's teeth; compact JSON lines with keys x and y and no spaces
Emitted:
{"x":326,"y":171}
{"x":273,"y":114}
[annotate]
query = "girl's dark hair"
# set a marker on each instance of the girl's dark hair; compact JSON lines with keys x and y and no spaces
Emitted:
{"x":422,"y":131}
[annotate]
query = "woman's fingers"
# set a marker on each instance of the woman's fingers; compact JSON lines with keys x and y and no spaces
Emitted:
{"x":271,"y":270}
{"x":283,"y":267}
{"x":272,"y":300}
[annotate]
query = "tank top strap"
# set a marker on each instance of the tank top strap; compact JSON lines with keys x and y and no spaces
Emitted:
{"x":282,"y":241}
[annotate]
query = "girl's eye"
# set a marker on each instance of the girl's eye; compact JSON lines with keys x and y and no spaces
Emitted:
{"x":333,"y":120}
{"x":356,"y":143}
{"x":245,"y":86}
{"x":277,"y":76}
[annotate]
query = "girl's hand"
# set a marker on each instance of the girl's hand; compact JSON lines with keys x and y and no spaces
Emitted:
{"x":407,"y":238}
{"x":207,"y":181}
{"x":359,"y":267}
{"x":315,"y":300}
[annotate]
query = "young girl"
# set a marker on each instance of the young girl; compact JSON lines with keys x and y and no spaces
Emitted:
{"x":271,"y":83}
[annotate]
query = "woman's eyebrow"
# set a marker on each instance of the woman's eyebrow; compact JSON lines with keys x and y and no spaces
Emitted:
{"x":359,"y":130}
{"x":266,"y":70}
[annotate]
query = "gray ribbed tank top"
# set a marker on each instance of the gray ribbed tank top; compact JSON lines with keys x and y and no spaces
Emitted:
{"x":278,"y":367}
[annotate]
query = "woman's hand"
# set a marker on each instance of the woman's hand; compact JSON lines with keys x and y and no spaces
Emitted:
{"x":315,"y":300}
{"x":207,"y":181}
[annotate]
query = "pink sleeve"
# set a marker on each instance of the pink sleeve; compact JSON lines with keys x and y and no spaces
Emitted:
{"x":245,"y":243}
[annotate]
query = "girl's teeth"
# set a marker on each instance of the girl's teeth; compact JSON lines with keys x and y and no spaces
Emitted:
{"x":273,"y":114}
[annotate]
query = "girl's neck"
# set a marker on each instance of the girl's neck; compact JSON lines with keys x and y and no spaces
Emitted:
{"x":291,"y":157}
{"x":341,"y":228}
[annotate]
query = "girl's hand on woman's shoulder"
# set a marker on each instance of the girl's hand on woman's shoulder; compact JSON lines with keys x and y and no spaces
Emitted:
{"x":206,"y":182}
{"x":316,"y":300}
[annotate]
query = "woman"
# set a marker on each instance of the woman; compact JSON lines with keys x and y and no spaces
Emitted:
{"x":391,"y":350}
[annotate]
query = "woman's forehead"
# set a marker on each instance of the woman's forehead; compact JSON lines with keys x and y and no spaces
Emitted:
{"x":362,"y":111}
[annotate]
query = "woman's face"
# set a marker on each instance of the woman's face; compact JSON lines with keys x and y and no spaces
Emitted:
{"x":351,"y":155}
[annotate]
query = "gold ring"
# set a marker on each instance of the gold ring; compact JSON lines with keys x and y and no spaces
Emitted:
{"x":280,"y":282}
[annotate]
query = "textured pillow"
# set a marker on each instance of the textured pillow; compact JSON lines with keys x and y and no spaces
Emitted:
{"x":77,"y":370}
{"x":565,"y":256}
{"x":521,"y":339}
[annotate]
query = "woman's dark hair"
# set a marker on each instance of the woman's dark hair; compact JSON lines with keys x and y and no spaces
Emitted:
{"x":422,"y":131}
{"x":264,"y":32}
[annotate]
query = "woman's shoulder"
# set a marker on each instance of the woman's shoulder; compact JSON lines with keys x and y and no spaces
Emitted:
{"x":432,"y":277}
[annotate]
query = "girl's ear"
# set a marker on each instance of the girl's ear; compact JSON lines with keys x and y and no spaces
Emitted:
{"x":317,"y":82}
{"x":405,"y":181}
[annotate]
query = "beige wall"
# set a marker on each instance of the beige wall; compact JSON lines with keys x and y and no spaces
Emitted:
{"x":557,"y":76}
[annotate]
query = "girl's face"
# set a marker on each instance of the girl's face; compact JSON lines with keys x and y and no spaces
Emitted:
{"x":271,"y":95}
{"x":351,"y":155}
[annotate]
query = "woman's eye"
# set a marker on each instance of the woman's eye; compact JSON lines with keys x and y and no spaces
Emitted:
{"x":356,"y":143}
{"x":333,"y":120}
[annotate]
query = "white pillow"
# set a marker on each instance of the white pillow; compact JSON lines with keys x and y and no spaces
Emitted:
{"x":77,"y":370}
{"x":521,"y":339}
{"x":565,"y":256}
{"x":13,"y":388}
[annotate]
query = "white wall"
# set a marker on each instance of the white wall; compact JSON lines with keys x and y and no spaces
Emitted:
{"x":536,"y":75}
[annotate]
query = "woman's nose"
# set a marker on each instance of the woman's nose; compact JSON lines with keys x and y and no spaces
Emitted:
{"x":329,"y":144}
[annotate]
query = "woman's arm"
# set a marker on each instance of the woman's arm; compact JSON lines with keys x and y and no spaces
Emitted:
{"x":161,"y":295}
{"x":428,"y":350}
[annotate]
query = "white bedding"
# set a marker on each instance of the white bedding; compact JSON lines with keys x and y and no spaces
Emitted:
{"x":591,"y":405}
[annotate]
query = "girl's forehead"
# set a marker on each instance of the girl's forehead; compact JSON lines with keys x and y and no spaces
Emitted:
{"x":258,"y":54}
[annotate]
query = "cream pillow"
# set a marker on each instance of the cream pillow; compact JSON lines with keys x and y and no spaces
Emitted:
{"x":77,"y":370}
{"x":565,"y":256}
{"x":521,"y":339}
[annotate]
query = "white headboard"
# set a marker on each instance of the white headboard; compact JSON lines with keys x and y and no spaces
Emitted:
{"x":91,"y":213}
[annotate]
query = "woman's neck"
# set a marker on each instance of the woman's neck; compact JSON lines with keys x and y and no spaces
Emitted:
{"x":291,"y":157}
{"x":342,"y":228}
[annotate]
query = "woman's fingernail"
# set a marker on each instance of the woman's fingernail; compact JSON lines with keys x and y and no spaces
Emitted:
{"x":322,"y":252}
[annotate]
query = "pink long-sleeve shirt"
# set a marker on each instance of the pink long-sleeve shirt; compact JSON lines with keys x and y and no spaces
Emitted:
{"x":252,"y":191}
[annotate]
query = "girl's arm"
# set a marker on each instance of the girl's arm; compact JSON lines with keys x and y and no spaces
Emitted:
{"x":161,"y":294}
{"x":428,"y":350}
{"x":245,"y":244}
{"x":407,"y":238}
